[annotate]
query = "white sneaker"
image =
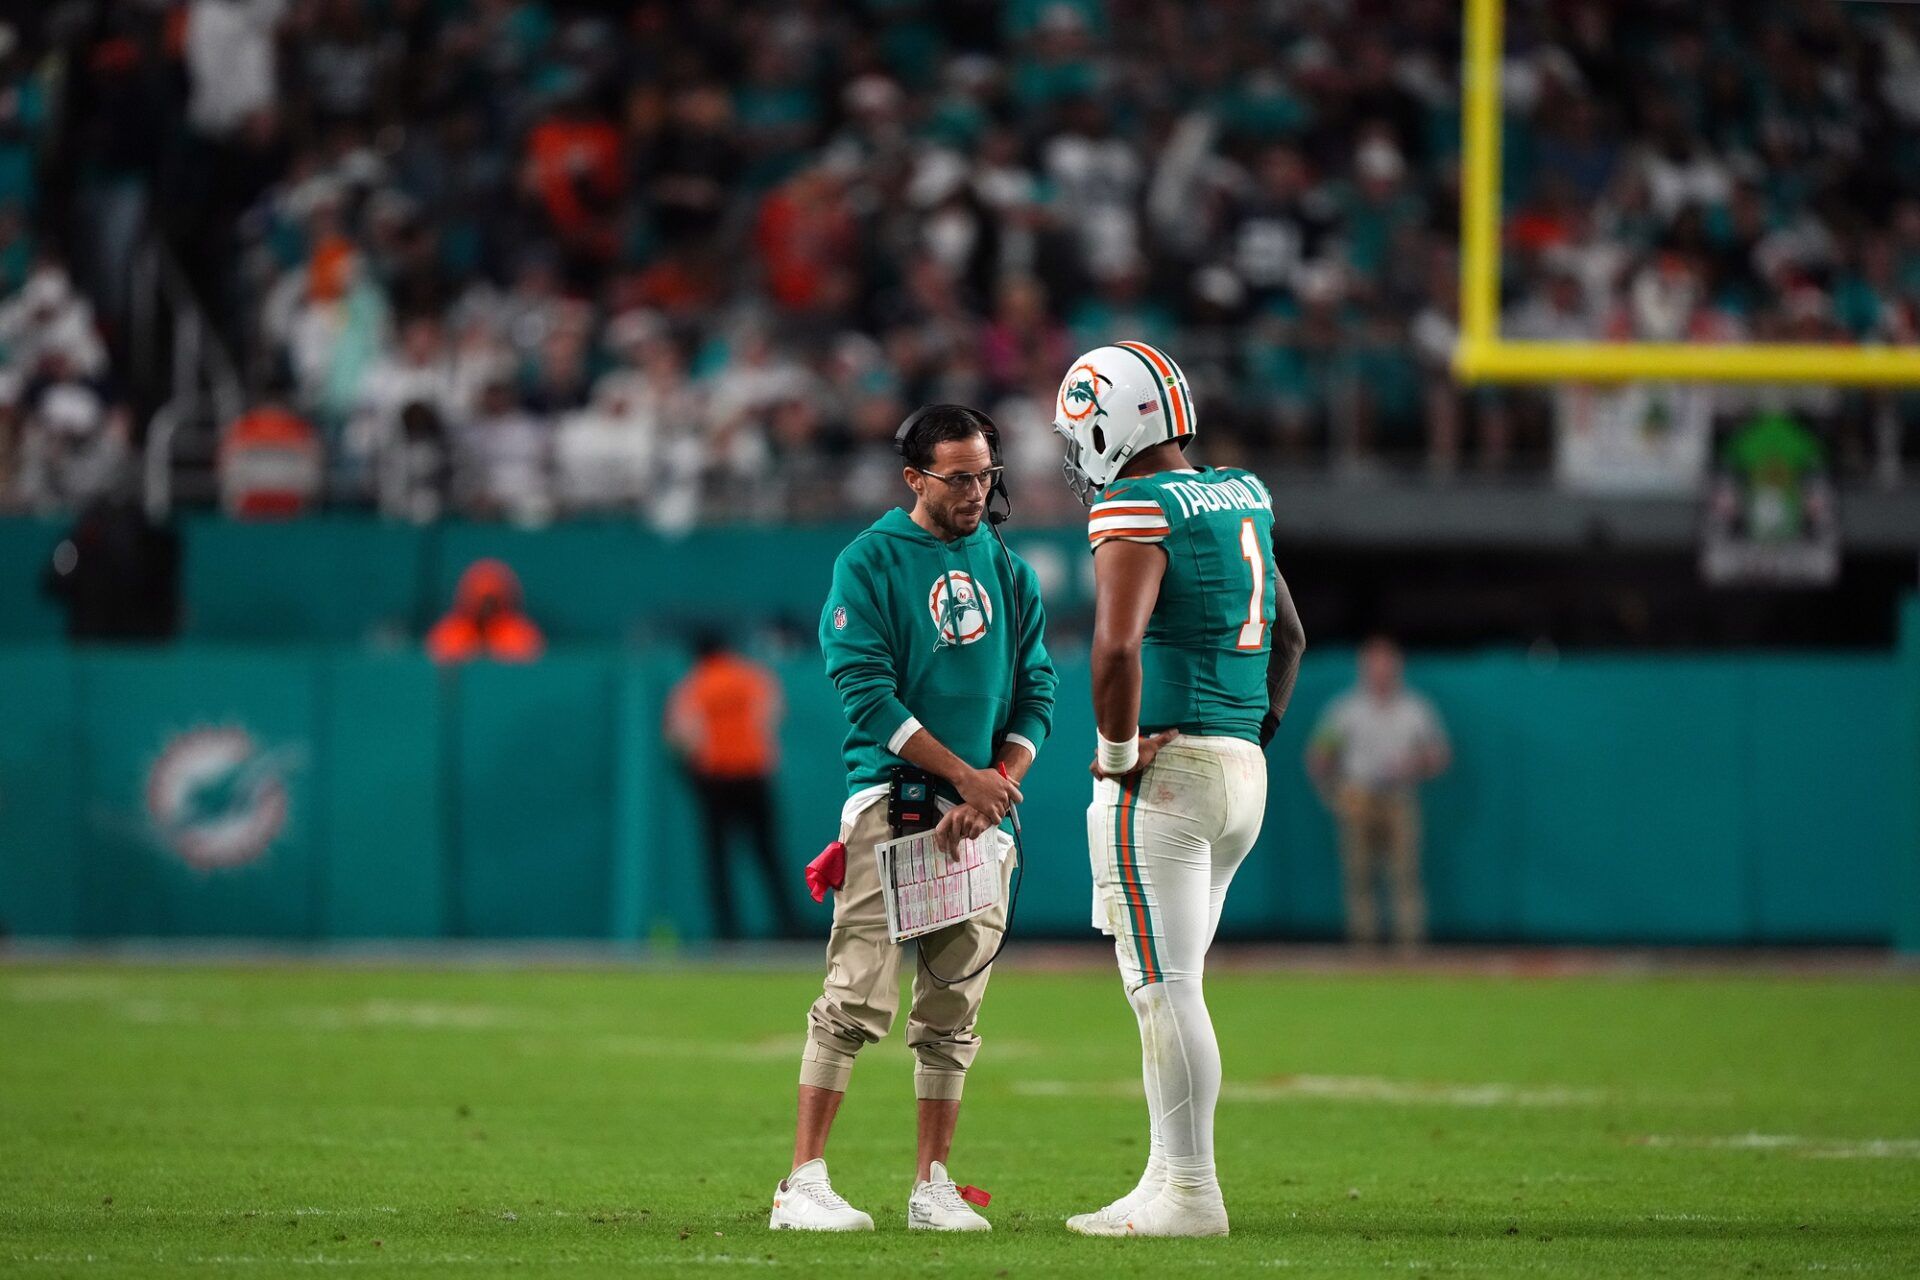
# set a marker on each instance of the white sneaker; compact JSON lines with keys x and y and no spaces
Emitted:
{"x":1171,"y":1213}
{"x":806,"y":1201}
{"x":1118,"y":1210}
{"x":936,"y":1205}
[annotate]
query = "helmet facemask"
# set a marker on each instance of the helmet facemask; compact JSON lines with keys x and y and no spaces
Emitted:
{"x":1078,"y":480}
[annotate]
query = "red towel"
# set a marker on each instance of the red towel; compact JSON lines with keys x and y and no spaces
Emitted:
{"x":828,"y":871}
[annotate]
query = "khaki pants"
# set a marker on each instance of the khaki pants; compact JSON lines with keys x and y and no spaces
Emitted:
{"x":1380,"y":830}
{"x":862,"y":992}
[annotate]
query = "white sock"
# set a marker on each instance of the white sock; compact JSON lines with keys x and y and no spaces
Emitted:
{"x":1181,"y":1060}
{"x":1192,"y":1176}
{"x":1155,"y":1175}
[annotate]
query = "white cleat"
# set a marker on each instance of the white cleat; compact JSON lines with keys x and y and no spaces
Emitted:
{"x":936,"y":1205}
{"x":1117,"y":1211}
{"x":806,"y":1201}
{"x":1171,"y":1213}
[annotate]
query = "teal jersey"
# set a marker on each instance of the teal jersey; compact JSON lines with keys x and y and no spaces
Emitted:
{"x":1204,"y":659}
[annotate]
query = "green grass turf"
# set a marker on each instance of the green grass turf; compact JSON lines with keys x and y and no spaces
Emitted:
{"x":159,"y":1121}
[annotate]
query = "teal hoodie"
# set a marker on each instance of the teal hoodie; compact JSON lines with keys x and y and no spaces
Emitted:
{"x":917,"y":633}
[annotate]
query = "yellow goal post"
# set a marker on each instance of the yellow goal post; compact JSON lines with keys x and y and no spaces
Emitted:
{"x":1482,"y":355}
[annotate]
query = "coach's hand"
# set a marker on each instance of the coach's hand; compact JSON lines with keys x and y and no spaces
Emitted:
{"x":1149,"y":748}
{"x":962,"y":822}
{"x":989,"y":792}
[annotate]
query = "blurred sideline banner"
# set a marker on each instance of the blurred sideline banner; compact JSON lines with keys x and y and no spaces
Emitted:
{"x":290,"y":792}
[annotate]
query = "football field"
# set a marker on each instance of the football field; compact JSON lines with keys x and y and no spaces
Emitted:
{"x":285,"y":1119}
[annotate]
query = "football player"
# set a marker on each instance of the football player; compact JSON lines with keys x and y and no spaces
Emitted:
{"x":1195,"y":649}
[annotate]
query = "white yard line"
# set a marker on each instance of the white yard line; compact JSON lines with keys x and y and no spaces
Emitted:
{"x":1796,"y":1143}
{"x":399,"y":1258}
{"x":47,"y":988}
{"x":1319,"y":1088}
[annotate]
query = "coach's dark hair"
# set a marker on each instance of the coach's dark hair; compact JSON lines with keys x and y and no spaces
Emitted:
{"x":933,"y":425}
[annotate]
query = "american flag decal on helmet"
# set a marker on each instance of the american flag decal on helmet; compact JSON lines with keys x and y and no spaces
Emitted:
{"x":1176,"y":400}
{"x":1147,"y":406}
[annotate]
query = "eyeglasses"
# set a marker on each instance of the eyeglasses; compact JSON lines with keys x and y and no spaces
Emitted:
{"x":961,"y":481}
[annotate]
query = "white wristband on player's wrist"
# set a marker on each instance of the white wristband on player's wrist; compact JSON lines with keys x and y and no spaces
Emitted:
{"x":1115,"y":758}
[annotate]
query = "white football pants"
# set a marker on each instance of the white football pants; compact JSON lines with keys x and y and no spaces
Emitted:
{"x":1164,"y":851}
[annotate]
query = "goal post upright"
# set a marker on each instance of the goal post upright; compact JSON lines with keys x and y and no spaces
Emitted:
{"x":1480,"y":176}
{"x":1483,"y":356}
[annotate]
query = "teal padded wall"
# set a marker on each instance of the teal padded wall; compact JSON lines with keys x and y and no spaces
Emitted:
{"x":40,"y":813}
{"x":1601,"y":799}
{"x":132,"y":709}
{"x":1905,"y":899}
{"x":530,"y":797}
{"x":355,"y":579}
{"x":324,"y":579}
{"x":26,"y":550}
{"x":1635,"y":784}
{"x":1828,"y":772}
{"x":1731,"y":799}
{"x":380,"y":801}
{"x":589,"y":580}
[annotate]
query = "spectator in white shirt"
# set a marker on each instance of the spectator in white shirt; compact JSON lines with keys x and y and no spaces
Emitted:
{"x":73,"y":439}
{"x":502,"y":461}
{"x":229,"y":53}
{"x":1371,"y":750}
{"x":604,"y":453}
{"x":419,"y":372}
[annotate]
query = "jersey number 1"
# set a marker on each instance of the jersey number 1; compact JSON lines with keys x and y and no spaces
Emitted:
{"x":1255,"y":627}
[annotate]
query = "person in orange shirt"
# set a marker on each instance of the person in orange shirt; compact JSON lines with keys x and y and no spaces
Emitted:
{"x":722,"y":717}
{"x":486,"y":620}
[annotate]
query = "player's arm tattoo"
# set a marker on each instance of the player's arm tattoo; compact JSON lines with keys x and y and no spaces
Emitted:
{"x":1289,"y":642}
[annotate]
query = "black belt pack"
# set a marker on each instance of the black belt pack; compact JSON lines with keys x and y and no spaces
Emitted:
{"x":910,"y":803}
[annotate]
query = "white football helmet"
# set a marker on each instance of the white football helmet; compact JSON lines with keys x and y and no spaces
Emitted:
{"x":1114,"y":402}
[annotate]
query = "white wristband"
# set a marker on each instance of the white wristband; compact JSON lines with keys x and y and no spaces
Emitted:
{"x":1115,"y":758}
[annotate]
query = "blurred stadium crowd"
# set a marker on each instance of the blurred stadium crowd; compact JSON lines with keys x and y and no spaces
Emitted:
{"x":678,"y":257}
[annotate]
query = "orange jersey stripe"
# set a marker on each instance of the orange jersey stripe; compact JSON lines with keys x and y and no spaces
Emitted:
{"x":1161,"y":532}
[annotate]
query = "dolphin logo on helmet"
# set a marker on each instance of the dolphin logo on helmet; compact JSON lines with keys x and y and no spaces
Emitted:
{"x":1080,"y":393}
{"x":1114,"y":402}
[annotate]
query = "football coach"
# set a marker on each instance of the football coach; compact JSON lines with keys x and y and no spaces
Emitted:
{"x":933,"y":636}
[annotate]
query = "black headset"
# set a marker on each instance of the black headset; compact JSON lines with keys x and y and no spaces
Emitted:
{"x":996,"y":516}
{"x":999,"y":504}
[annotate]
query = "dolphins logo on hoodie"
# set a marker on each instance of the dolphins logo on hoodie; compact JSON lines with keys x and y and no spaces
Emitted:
{"x":960,"y":608}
